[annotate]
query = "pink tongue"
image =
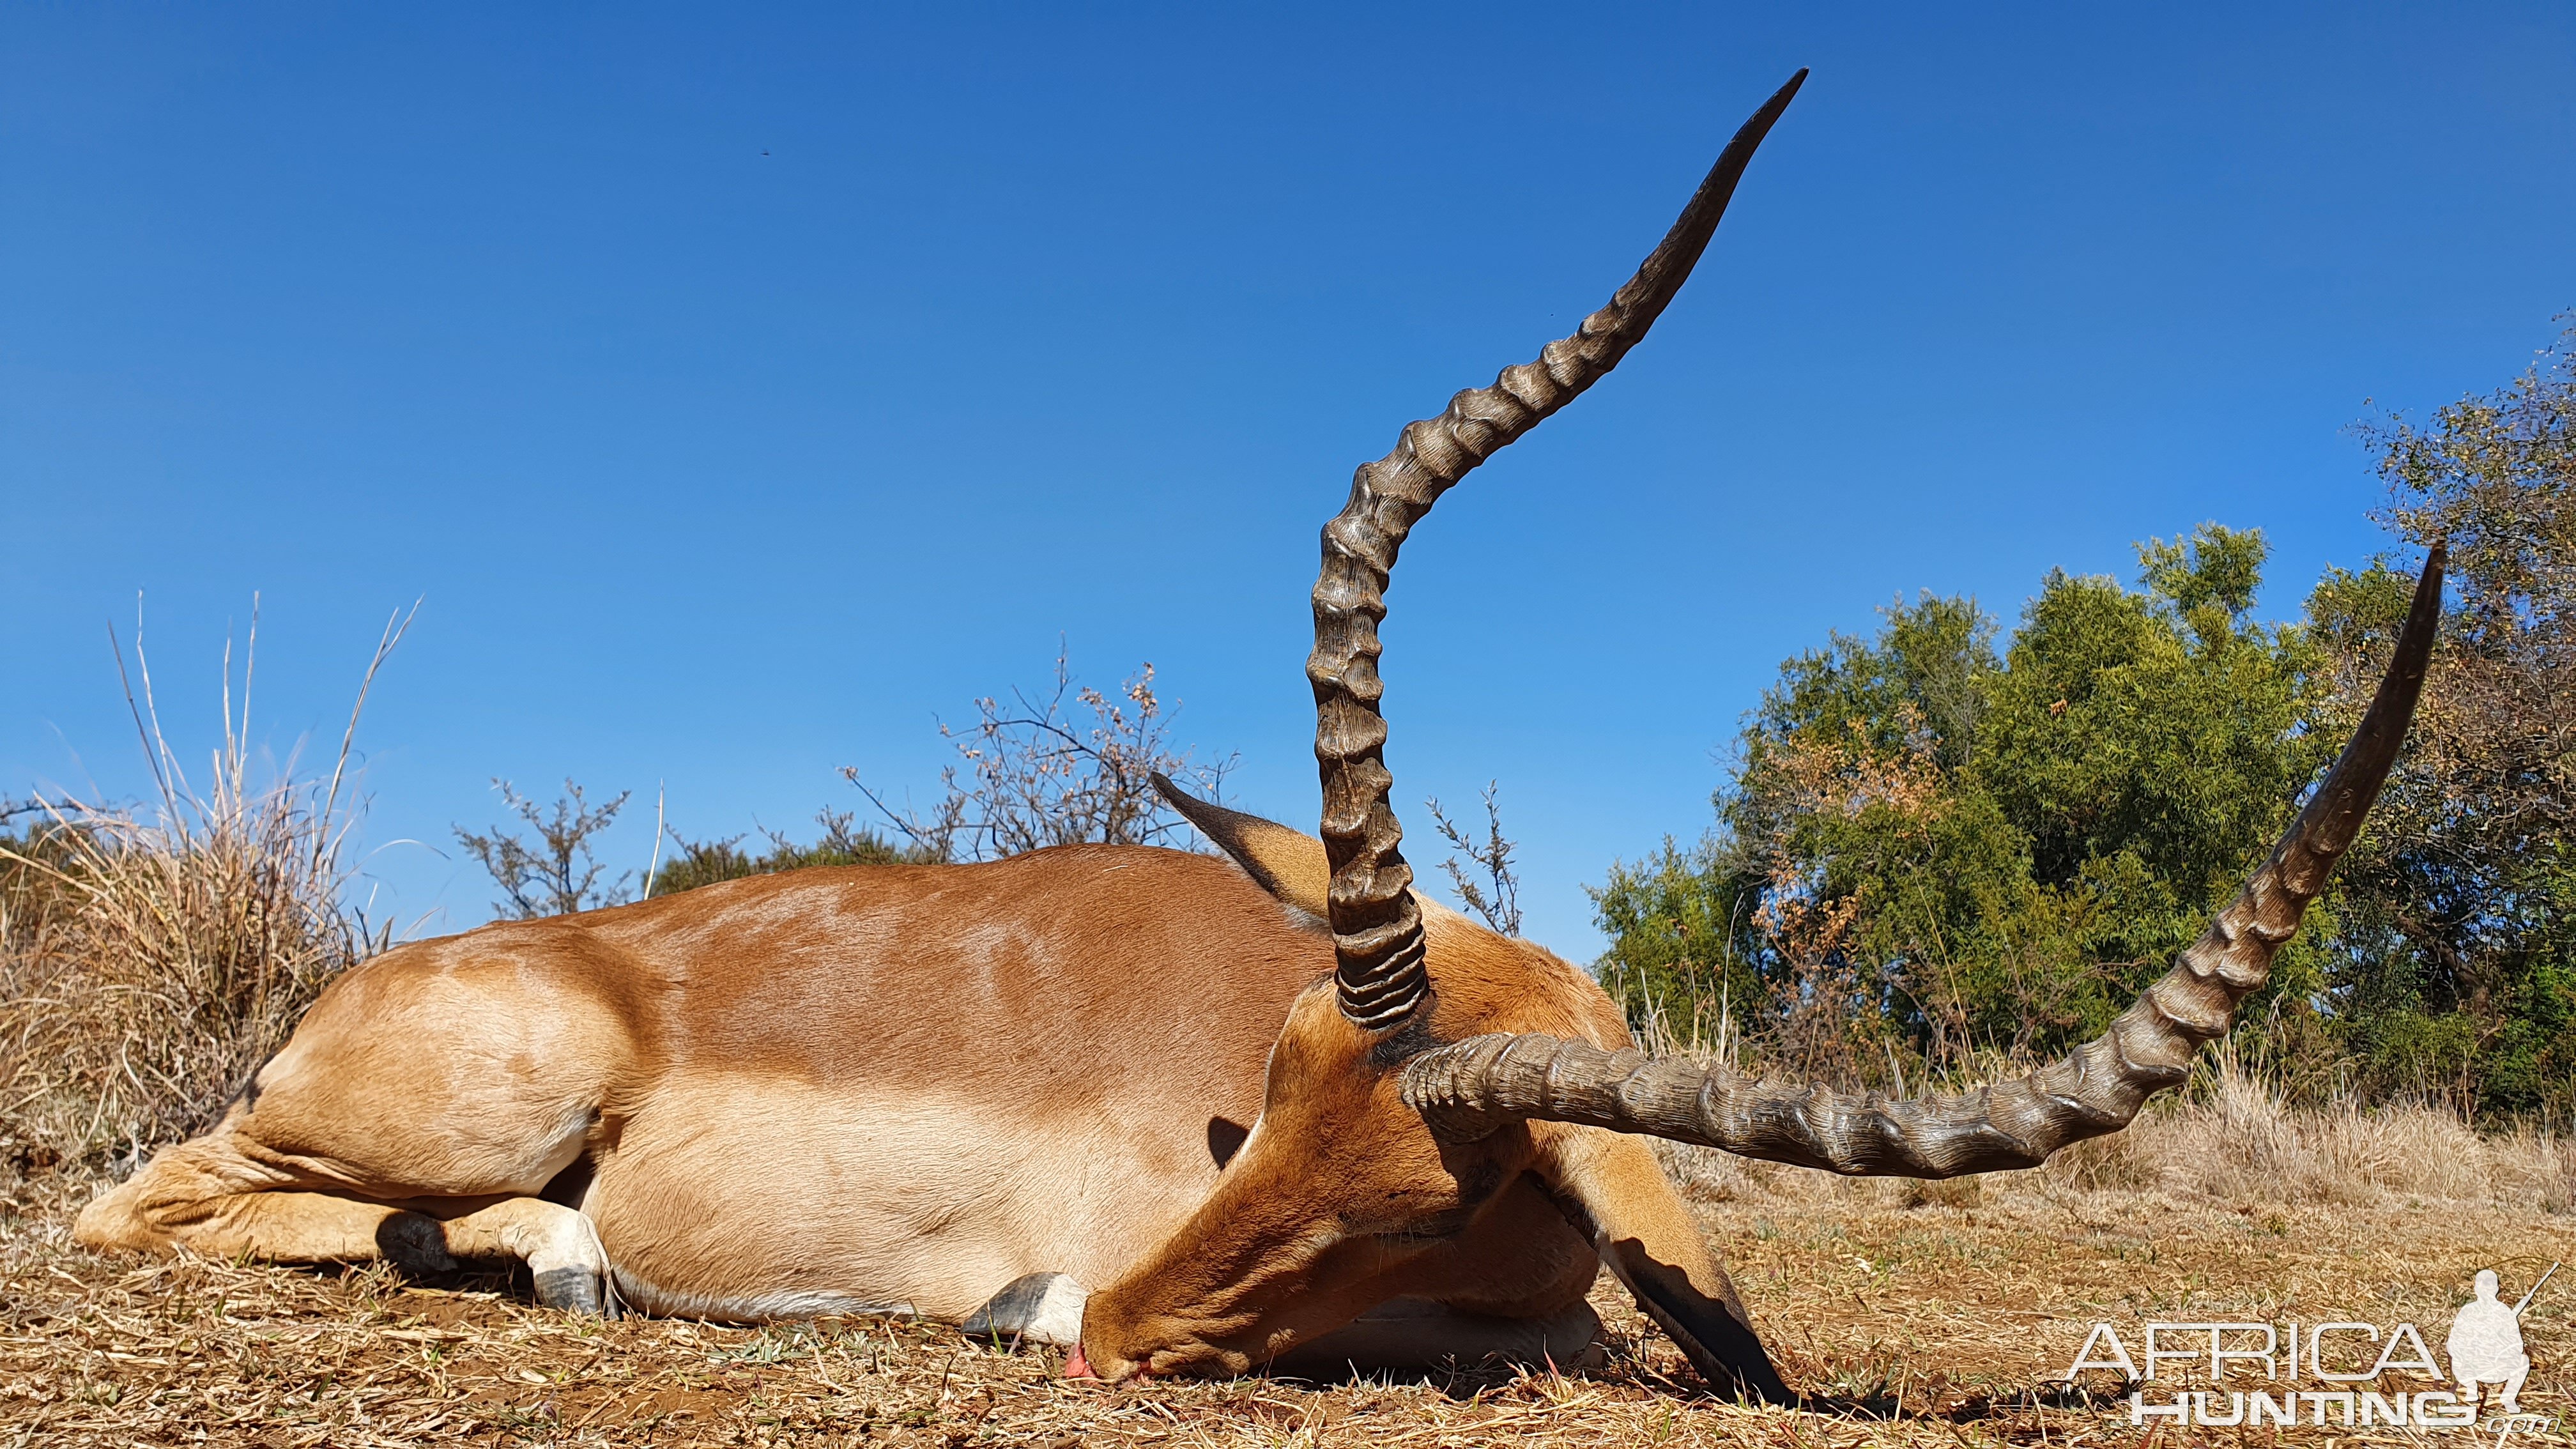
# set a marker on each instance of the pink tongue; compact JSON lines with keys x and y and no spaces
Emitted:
{"x":1076,"y":1366}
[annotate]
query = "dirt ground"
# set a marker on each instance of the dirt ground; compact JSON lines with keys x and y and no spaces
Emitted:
{"x":1945,"y":1323}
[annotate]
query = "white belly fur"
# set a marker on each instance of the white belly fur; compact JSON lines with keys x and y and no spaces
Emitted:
{"x":740,"y":1197}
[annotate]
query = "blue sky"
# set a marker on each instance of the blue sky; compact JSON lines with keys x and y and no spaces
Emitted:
{"x":741,"y":389}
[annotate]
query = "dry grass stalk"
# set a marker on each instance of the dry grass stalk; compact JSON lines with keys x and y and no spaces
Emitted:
{"x":149,"y":961}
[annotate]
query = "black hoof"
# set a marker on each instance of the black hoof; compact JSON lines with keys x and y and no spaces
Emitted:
{"x":573,"y":1290}
{"x":1041,"y":1308}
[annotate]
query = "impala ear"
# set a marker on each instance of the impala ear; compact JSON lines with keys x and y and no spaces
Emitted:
{"x":1287,"y":863}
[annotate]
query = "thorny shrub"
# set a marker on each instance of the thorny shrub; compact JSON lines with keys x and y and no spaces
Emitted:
{"x":1065,"y":766}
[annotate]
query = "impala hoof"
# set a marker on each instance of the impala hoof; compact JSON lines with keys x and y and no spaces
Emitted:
{"x":1039,"y":1308}
{"x":572,"y":1290}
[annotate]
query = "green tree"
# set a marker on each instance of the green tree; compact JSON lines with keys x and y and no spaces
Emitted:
{"x":2457,"y":970}
{"x":1928,"y":850}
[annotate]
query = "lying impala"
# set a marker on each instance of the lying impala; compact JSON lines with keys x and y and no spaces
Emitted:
{"x":1270,"y":1108}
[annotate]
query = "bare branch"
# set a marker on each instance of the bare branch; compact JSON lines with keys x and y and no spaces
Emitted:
{"x":1498,"y":899}
{"x":559,"y":873}
{"x":1067,"y":765}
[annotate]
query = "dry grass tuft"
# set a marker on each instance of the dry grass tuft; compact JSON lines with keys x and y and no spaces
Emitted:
{"x":149,"y":961}
{"x":2239,"y":1146}
{"x":2238,"y":1141}
{"x":2231,"y":1135}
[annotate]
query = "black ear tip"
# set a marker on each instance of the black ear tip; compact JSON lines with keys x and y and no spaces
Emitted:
{"x":1164,"y":787}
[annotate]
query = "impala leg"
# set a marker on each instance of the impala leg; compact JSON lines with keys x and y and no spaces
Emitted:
{"x":561,"y":1249}
{"x":318,"y":1165}
{"x":1646,"y":1235}
{"x":212,"y":1197}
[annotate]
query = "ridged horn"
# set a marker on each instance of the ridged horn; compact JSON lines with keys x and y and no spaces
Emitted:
{"x":1377,"y":929}
{"x":1472,"y":1087}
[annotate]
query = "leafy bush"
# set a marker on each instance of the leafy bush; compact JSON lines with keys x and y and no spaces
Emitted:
{"x":705,"y":862}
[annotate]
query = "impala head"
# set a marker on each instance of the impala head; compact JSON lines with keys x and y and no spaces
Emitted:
{"x":1341,"y":1182}
{"x":1443,"y":1073}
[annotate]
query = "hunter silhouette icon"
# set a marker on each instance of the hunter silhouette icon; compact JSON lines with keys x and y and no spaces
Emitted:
{"x":2486,"y":1342}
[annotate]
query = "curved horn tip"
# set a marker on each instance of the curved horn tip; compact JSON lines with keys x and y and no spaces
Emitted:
{"x":1758,"y":125}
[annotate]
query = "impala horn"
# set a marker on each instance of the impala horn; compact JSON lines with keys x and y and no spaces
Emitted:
{"x":1377,"y":928}
{"x":1468,"y":1089}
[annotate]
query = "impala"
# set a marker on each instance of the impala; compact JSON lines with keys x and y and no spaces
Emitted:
{"x":1180,"y":1113}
